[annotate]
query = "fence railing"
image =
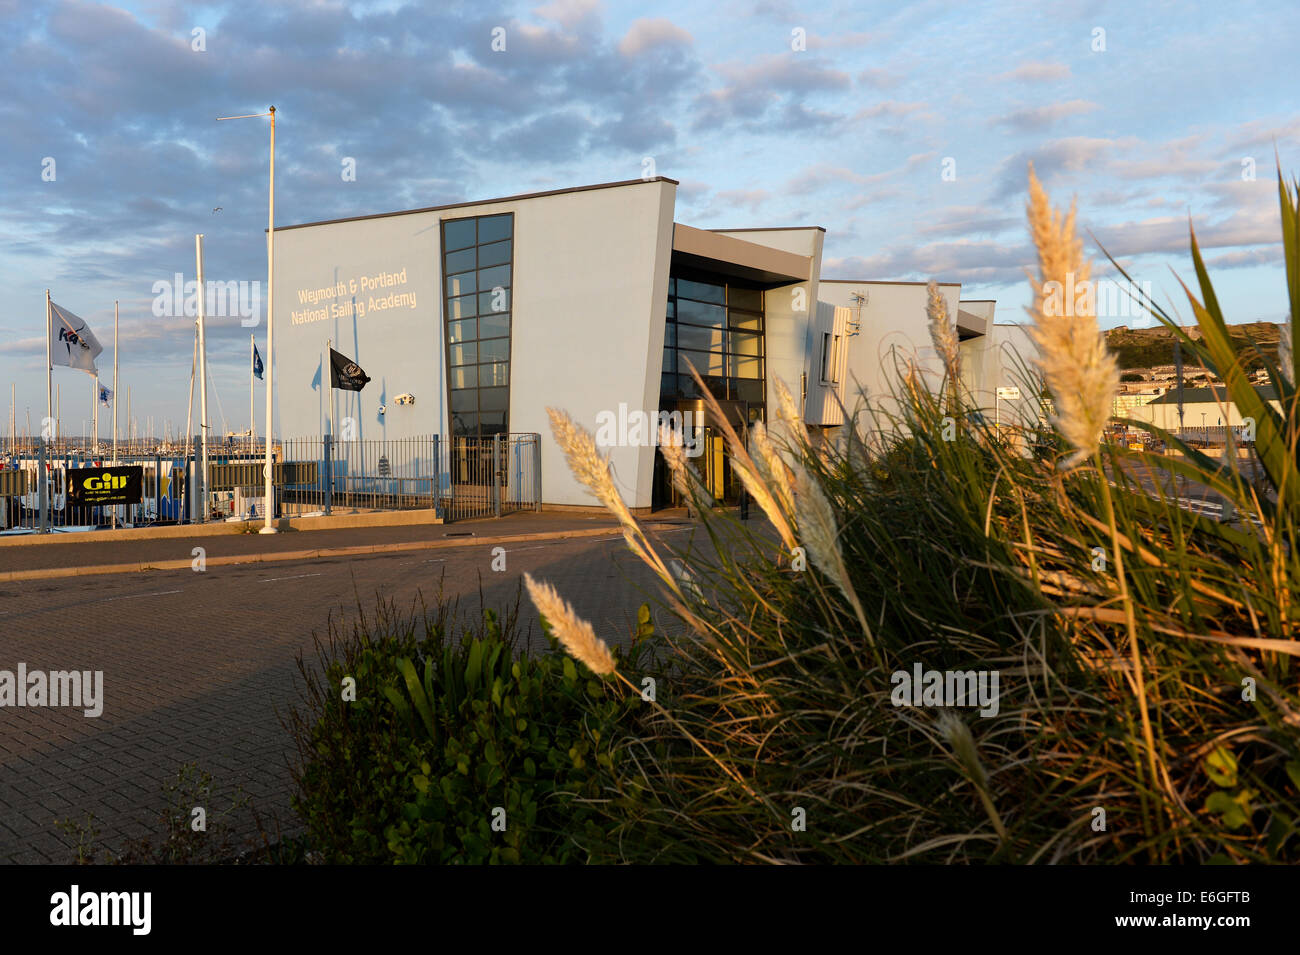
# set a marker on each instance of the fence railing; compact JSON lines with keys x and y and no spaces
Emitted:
{"x":30,"y":504}
{"x":491,"y":476}
{"x":459,"y":478}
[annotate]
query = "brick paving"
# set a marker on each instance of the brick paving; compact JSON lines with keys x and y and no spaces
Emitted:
{"x":198,"y":667}
{"x":81,"y":550}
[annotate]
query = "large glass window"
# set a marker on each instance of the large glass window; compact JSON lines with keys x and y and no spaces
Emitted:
{"x":717,"y":327}
{"x":477,"y":255}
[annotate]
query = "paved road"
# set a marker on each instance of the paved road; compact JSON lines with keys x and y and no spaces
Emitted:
{"x":196,"y":666}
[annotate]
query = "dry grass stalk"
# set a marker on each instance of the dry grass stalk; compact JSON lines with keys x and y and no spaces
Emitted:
{"x":746,"y":468}
{"x":576,"y":634}
{"x":771,"y":468}
{"x":942,"y":332}
{"x":789,"y":415}
{"x":593,"y":472}
{"x":820,"y":532}
{"x":685,"y":477}
{"x":1081,"y":374}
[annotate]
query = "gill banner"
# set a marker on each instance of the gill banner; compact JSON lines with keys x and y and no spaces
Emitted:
{"x":93,"y":486}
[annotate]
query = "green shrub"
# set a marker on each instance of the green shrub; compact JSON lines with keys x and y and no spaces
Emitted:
{"x":458,"y":747}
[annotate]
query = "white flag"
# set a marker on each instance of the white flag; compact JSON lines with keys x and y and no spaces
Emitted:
{"x":72,"y":343}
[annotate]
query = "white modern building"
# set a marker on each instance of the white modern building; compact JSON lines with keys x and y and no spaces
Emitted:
{"x":593,"y":300}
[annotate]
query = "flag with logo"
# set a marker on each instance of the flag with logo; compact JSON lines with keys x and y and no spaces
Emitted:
{"x":345,"y":374}
{"x":72,"y":343}
{"x":105,"y":394}
{"x":257,"y":364}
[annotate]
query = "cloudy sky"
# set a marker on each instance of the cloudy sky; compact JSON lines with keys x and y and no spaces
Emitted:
{"x":844,"y":115}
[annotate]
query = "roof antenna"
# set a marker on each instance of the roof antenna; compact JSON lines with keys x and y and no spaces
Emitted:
{"x":859,"y":300}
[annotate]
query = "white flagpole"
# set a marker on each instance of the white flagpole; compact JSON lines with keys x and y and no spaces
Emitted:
{"x":252,"y":412}
{"x":268,"y":527}
{"x":203,"y":378}
{"x":58,"y":411}
{"x":269,"y":363}
{"x":114,"y":383}
{"x":189,"y":417}
{"x":49,"y":360}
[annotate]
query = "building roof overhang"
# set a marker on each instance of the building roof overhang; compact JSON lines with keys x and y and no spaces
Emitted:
{"x":727,"y":255}
{"x":970,"y":326}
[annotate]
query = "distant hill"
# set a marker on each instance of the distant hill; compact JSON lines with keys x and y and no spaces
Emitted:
{"x":1149,"y":347}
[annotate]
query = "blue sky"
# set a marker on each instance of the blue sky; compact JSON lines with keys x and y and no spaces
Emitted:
{"x":850,"y":133}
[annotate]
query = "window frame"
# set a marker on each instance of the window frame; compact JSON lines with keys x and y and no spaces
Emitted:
{"x":498,"y":367}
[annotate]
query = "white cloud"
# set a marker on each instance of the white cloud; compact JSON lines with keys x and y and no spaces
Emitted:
{"x":1038,"y":117}
{"x":648,"y":33}
{"x":1037,"y":72}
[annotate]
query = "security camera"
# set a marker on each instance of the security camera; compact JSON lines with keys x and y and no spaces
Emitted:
{"x":406,"y":399}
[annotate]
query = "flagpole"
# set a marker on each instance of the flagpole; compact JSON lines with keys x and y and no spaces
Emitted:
{"x":189,"y":416}
{"x":252,"y":411}
{"x":58,"y":412}
{"x":269,"y":364}
{"x":269,"y":528}
{"x":114,"y":382}
{"x":49,"y":361}
{"x":203,"y":378}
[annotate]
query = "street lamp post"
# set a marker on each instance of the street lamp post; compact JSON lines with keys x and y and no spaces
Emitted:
{"x":268,"y":527}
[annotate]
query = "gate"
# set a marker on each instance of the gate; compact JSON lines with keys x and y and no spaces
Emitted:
{"x":491,"y":476}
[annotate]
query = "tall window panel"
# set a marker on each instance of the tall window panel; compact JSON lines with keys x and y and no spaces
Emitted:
{"x":718,"y":327}
{"x":477,"y":275}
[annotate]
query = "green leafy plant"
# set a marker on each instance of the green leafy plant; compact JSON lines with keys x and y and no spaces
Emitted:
{"x":461,"y":746}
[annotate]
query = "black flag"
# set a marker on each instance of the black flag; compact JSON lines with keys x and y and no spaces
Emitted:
{"x":345,"y":374}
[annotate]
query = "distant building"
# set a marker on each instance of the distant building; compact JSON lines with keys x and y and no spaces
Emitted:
{"x":1123,"y":405}
{"x":1202,"y":407}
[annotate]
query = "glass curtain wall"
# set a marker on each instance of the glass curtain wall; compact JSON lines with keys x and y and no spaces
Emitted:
{"x":719,"y":328}
{"x":477,"y":258}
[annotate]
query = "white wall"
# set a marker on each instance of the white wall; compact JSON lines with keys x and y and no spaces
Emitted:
{"x":400,"y":349}
{"x":789,"y":310}
{"x":825,"y":398}
{"x":592,"y":272}
{"x":590,"y":288}
{"x":892,"y":318}
{"x":990,"y":362}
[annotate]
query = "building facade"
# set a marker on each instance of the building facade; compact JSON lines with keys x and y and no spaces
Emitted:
{"x":596,"y":301}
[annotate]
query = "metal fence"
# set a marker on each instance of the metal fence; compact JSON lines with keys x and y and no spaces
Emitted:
{"x":330,"y":476}
{"x":29,"y":504}
{"x":460,"y":478}
{"x":491,"y":476}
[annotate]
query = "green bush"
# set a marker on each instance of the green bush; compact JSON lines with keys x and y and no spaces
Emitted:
{"x":457,"y":747}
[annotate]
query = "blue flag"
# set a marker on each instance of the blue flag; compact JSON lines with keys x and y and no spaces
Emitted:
{"x":257,"y":364}
{"x":105,"y":395}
